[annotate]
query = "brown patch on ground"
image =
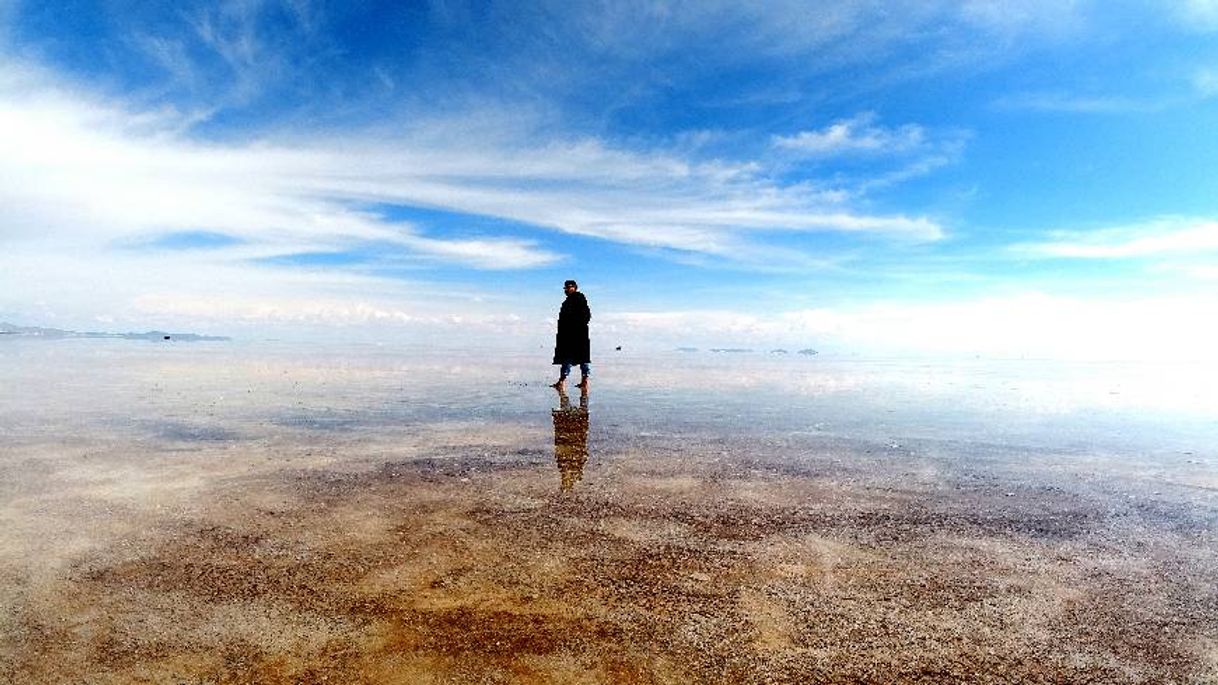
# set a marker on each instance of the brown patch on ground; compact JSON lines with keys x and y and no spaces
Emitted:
{"x":692,"y":567}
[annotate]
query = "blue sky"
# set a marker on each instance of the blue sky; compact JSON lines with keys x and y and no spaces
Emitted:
{"x":1031,"y":178}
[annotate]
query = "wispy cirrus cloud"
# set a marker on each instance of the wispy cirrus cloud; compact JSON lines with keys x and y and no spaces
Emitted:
{"x":99,"y":171}
{"x":1169,"y":236}
{"x":133,"y":190}
{"x":833,"y":32}
{"x":1197,"y":15}
{"x":1058,"y":101}
{"x":1205,"y":272}
{"x":908,"y":150}
{"x":1052,"y":18}
{"x":207,"y":290}
{"x":1028,"y":324}
{"x":857,"y":135}
{"x":299,"y":55}
{"x":308,"y":138}
{"x":1205,"y":82}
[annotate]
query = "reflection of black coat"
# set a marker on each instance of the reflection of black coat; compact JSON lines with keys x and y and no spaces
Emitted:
{"x":571,"y":441}
{"x":571,"y":345}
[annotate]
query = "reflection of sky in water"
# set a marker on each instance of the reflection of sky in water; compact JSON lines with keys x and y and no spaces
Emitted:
{"x":220,"y":391}
{"x":1039,"y":403}
{"x":394,"y":503}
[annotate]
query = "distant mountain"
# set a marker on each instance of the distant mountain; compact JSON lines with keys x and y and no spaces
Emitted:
{"x":8,"y":329}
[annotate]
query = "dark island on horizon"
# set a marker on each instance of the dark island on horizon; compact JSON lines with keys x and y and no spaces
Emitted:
{"x":8,"y":329}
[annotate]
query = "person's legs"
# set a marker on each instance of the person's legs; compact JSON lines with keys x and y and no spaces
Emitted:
{"x":563,"y":372}
{"x":585,"y":371}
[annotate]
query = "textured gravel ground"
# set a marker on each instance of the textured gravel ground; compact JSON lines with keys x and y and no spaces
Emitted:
{"x":263,"y":536}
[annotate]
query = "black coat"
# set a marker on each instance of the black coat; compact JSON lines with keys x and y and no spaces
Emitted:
{"x":571,"y":345}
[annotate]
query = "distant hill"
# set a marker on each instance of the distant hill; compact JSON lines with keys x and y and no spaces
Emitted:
{"x":8,"y":329}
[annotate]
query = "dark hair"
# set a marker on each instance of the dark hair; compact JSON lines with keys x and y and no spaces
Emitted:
{"x":570,"y":283}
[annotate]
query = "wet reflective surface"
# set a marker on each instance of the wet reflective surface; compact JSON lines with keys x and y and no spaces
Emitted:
{"x":570,"y":437}
{"x":236,"y":513}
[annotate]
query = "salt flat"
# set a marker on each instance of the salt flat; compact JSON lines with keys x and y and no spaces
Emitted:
{"x":274,"y":513}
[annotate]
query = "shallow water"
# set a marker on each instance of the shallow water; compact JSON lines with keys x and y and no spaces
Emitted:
{"x":265,"y":512}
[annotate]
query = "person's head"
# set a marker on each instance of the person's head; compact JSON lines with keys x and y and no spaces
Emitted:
{"x":569,"y":287}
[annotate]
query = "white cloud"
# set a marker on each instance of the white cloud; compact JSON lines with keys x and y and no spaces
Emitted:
{"x":857,"y":135}
{"x":909,"y":150}
{"x":1197,"y":14}
{"x":1033,"y":325}
{"x":1167,"y":236}
{"x":824,"y":34}
{"x":206,"y":292}
{"x":90,"y":185}
{"x":1205,"y":82}
{"x":263,"y":310}
{"x":97,"y":172}
{"x":485,"y":254}
{"x":1205,"y":272}
{"x":230,"y":29}
{"x":93,"y":174}
{"x":1073,"y":103}
{"x":194,"y":291}
{"x":352,"y":311}
{"x":1053,"y":18}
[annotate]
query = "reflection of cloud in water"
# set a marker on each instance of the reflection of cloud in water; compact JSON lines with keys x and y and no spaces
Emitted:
{"x":724,"y":537}
{"x":1024,"y":385}
{"x":325,"y":420}
{"x":737,"y":372}
{"x":179,"y":431}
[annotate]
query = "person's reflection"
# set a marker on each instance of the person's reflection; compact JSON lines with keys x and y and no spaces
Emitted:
{"x":571,"y":438}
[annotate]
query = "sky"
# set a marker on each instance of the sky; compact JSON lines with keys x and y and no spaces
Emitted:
{"x":978,"y":177}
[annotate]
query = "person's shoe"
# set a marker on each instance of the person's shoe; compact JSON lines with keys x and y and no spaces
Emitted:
{"x":583,"y":383}
{"x":560,"y":385}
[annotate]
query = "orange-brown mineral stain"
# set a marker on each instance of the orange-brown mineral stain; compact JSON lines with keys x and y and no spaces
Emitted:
{"x":468,"y":570}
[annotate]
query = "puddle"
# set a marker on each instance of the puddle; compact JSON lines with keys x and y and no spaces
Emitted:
{"x":683,"y":529}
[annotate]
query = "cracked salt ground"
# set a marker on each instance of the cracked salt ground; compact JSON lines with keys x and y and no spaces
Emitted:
{"x":499,"y":533}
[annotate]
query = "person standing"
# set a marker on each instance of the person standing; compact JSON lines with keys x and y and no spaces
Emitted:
{"x":571,"y":345}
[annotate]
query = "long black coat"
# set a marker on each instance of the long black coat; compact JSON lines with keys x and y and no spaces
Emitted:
{"x":571,"y":345}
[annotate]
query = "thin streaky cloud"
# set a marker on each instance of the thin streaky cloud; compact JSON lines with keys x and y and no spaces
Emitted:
{"x":1207,"y":272}
{"x":1075,"y":103}
{"x":483,"y":254}
{"x":1026,"y":324}
{"x":172,"y":56}
{"x":857,"y":135}
{"x":1197,"y":15}
{"x":316,"y":163}
{"x":571,"y":49}
{"x":1168,"y":236}
{"x":833,"y":32}
{"x":1205,"y":82}
{"x":214,"y":290}
{"x":90,"y":171}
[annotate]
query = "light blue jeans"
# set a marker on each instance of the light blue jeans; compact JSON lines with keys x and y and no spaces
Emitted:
{"x":585,"y":369}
